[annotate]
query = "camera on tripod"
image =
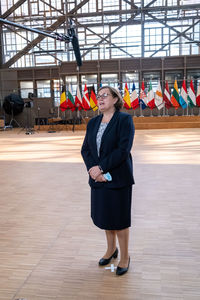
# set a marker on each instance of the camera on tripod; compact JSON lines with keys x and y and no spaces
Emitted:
{"x":28,"y":104}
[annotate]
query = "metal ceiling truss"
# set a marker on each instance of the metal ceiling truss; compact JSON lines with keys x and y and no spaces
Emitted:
{"x":115,"y":30}
{"x":114,"y":20}
{"x":37,"y":40}
{"x":102,"y":40}
{"x":179,"y":34}
{"x":12,"y":9}
{"x":28,"y":41}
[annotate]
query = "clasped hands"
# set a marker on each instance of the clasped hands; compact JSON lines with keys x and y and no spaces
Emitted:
{"x":96,"y":174}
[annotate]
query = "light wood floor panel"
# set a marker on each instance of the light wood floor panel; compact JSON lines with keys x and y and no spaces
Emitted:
{"x":49,"y":248}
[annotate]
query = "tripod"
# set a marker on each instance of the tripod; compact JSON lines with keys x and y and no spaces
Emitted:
{"x":51,"y":121}
{"x":78,"y":119}
{"x":27,"y":127}
{"x":12,"y":120}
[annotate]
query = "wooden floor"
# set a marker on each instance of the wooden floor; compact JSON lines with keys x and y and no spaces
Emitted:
{"x":49,"y":248}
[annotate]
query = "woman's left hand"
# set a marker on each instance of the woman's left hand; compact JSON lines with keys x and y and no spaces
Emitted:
{"x":94,"y":172}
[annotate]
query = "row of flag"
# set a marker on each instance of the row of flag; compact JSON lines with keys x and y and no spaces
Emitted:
{"x":133,"y":101}
{"x":68,"y":101}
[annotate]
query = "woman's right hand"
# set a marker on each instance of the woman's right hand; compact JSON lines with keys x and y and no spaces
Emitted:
{"x":100,"y":178}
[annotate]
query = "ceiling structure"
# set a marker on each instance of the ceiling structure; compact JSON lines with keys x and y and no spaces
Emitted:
{"x":106,"y":30}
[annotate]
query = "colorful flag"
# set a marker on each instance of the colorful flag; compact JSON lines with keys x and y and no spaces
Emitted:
{"x":167,"y":96}
{"x":70,"y":99}
{"x":78,"y":99}
{"x":150,"y":97}
{"x":143,"y":96}
{"x":85,"y":99}
{"x":198,"y":96}
{"x":175,"y":96}
{"x":93,"y":100}
{"x":183,"y":95}
{"x":134,"y":98}
{"x":159,"y":97}
{"x":119,"y":88}
{"x":63,"y":100}
{"x":191,"y":95}
{"x":127,"y":99}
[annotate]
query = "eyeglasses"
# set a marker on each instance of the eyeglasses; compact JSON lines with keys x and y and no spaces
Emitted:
{"x":103,"y":96}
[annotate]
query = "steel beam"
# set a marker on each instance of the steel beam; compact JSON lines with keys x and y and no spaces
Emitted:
{"x":178,"y":35}
{"x":112,"y":23}
{"x":12,"y":9}
{"x":37,"y":40}
{"x":108,"y":35}
{"x":136,"y":10}
{"x":39,"y":47}
{"x":102,"y":39}
{"x":175,"y":30}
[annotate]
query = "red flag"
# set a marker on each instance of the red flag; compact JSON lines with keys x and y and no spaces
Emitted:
{"x":78,"y":99}
{"x":150,"y":97}
{"x":134,"y":98}
{"x":198,"y":96}
{"x":167,"y":96}
{"x":85,"y":99}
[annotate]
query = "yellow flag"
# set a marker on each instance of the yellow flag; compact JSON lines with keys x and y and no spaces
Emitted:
{"x":93,"y":101}
{"x":127,"y":98}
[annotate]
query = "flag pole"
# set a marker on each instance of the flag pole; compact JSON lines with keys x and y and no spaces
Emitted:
{"x":78,"y":113}
{"x":141,"y":110}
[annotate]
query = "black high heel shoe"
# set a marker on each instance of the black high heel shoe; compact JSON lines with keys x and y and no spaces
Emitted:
{"x":105,"y":261}
{"x":121,"y":271}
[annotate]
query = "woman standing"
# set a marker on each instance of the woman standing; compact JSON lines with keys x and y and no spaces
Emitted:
{"x":106,"y":153}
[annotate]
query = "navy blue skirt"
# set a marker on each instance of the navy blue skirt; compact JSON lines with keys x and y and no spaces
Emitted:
{"x":111,"y":208}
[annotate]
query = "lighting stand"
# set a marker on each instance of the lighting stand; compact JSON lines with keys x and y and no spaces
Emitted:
{"x":12,"y":117}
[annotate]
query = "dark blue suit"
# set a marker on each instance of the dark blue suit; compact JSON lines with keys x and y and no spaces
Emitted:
{"x":115,"y":158}
{"x":115,"y":149}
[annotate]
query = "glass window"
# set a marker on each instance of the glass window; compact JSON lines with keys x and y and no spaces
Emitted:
{"x":170,"y":76}
{"x":43,"y":88}
{"x":195,"y":76}
{"x":44,"y":60}
{"x":90,"y":80}
{"x":129,"y":78}
{"x":154,"y":77}
{"x":110,"y":79}
{"x":72,"y":81}
{"x":26,"y":87}
{"x":106,"y":35}
{"x":56,"y":91}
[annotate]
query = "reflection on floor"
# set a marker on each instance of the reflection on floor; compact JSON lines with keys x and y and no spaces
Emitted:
{"x":49,"y":248}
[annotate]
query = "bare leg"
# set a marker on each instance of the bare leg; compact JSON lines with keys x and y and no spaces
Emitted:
{"x":111,"y":243}
{"x":123,"y":238}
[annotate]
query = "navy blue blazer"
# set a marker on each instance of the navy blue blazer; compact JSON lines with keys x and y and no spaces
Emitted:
{"x":116,"y":144}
